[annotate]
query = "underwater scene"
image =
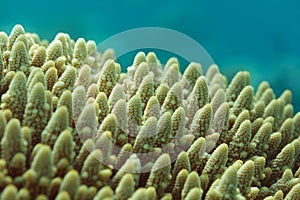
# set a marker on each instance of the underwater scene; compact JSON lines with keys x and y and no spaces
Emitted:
{"x":151,"y":100}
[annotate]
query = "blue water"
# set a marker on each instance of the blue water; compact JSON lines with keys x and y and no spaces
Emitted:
{"x":259,"y":36}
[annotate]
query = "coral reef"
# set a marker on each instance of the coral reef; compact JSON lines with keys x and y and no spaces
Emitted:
{"x":74,"y":126}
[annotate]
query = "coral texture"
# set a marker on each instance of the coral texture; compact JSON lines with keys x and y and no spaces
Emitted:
{"x":74,"y":126}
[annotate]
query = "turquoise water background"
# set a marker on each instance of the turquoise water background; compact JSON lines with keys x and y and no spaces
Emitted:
{"x":262,"y":37}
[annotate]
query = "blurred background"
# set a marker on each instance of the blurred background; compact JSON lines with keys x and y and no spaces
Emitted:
{"x":259,"y":36}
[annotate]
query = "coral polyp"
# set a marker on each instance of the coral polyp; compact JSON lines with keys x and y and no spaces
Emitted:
{"x":74,"y":126}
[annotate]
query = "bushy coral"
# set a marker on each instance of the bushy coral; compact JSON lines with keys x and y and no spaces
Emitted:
{"x":73,"y":126}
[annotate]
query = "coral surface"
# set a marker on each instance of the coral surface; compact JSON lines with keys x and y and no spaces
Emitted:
{"x":74,"y":126}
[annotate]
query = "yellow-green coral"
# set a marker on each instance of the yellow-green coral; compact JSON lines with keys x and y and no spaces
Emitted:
{"x":116,"y":94}
{"x":173,"y":99}
{"x":12,"y":143}
{"x":182,"y":162}
{"x":125,"y":188}
{"x":19,"y":58}
{"x":192,"y":181}
{"x":51,"y":77}
{"x":215,"y":166}
{"x":39,"y":57}
{"x":134,"y":117}
{"x":171,"y":75}
{"x":244,"y":175}
{"x":146,"y":90}
{"x":80,"y":53}
{"x":107,"y":78}
{"x":201,"y":122}
{"x":38,"y":76}
{"x":3,"y":41}
{"x":240,"y":146}
{"x":192,"y":72}
{"x":16,"y":97}
{"x":73,"y":126}
{"x":160,"y":174}
{"x":42,"y":163}
{"x":15,"y":32}
{"x":58,"y":123}
{"x":70,"y":183}
{"x":35,"y":115}
{"x":164,"y":134}
{"x":146,"y":136}
{"x":63,"y":147}
{"x":196,"y":151}
{"x":54,"y":50}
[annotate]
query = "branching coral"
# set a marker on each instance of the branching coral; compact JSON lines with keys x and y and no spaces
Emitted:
{"x":73,"y":126}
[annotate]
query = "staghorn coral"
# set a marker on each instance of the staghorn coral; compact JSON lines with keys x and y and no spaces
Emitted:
{"x":73,"y":126}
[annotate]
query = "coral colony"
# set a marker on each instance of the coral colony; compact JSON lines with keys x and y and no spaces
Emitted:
{"x":74,"y":126}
